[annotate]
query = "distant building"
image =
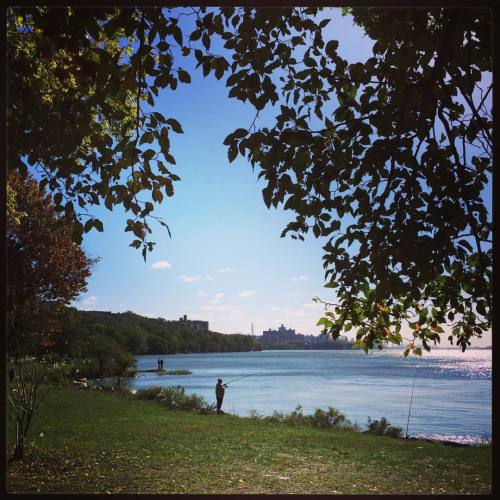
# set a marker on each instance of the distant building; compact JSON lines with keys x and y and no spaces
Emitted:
{"x":288,"y":336}
{"x":282,"y":336}
{"x":197,"y":325}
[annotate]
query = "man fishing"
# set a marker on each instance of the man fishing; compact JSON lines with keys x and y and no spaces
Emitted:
{"x":220,"y":389}
{"x":219,"y":394}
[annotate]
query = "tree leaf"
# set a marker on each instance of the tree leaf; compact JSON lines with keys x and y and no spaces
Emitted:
{"x":176,"y":126}
{"x":184,"y":76}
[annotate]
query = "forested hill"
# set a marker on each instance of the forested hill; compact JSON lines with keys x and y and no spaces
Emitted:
{"x":140,"y":335}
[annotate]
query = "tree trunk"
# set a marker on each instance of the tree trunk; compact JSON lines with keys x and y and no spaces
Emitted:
{"x":19,"y":450}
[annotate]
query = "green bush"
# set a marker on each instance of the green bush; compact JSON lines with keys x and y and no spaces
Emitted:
{"x":253,"y":414}
{"x":176,"y":398}
{"x":149,"y":393}
{"x":297,"y":416}
{"x":331,"y":418}
{"x":383,"y":427}
{"x":64,"y":371}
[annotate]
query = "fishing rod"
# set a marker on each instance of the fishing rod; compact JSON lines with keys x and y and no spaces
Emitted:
{"x":245,"y":376}
{"x":411,"y":400}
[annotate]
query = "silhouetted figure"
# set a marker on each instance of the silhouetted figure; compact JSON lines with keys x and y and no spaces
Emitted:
{"x":161,"y":364}
{"x":219,"y":394}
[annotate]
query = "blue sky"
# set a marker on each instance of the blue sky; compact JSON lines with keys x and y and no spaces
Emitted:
{"x":225,"y":262}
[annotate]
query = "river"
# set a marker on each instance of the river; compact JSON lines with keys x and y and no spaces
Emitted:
{"x":451,"y":398}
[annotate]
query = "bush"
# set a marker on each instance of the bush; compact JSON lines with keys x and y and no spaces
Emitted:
{"x":254,"y":415}
{"x":297,"y":416}
{"x":149,"y":393}
{"x":176,"y":398}
{"x":63,"y":371}
{"x":330,"y":418}
{"x":383,"y":427}
{"x":276,"y":417}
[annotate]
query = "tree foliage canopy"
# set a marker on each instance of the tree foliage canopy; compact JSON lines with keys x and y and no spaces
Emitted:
{"x":388,"y":159}
{"x":46,"y":268}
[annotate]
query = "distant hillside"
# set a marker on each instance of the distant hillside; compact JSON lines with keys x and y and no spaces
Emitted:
{"x":140,"y":335}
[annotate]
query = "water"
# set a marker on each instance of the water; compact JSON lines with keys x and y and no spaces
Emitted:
{"x":451,"y":400}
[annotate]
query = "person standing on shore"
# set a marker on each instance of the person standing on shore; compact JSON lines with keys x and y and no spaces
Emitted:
{"x":219,"y":394}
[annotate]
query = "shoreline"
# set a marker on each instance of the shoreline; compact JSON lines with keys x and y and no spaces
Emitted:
{"x":456,"y":439}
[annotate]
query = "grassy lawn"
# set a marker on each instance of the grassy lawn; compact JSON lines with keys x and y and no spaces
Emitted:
{"x":98,"y":442}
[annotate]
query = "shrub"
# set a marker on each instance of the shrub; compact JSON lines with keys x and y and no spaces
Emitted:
{"x":149,"y":393}
{"x":330,"y":418}
{"x":176,"y":398}
{"x":383,"y":427}
{"x":63,"y":371}
{"x":254,"y":415}
{"x":276,"y":417}
{"x":297,"y":416}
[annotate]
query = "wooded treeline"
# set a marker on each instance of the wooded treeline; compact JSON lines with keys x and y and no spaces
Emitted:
{"x":141,"y":335}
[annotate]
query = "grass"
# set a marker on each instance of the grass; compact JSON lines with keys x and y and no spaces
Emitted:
{"x":98,"y":442}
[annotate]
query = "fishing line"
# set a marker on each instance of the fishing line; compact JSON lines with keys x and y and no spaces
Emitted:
{"x":411,"y":400}
{"x":239,"y":379}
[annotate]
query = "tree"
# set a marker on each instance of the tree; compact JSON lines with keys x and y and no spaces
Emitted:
{"x":46,"y":268}
{"x":25,"y":394}
{"x":111,"y":357}
{"x":388,"y":158}
{"x":75,"y":116}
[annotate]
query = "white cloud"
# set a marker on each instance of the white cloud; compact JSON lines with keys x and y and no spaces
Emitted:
{"x":209,"y":278}
{"x":161,"y":264}
{"x":189,"y":279}
{"x":225,"y":315}
{"x":90,"y":301}
{"x":248,"y":293}
{"x":299,"y":278}
{"x":217,"y":298}
{"x":224,"y":270}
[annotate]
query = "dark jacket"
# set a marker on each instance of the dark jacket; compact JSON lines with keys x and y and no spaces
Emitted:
{"x":219,"y":390}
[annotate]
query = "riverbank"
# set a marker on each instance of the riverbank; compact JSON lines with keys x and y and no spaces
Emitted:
{"x":98,"y":442}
